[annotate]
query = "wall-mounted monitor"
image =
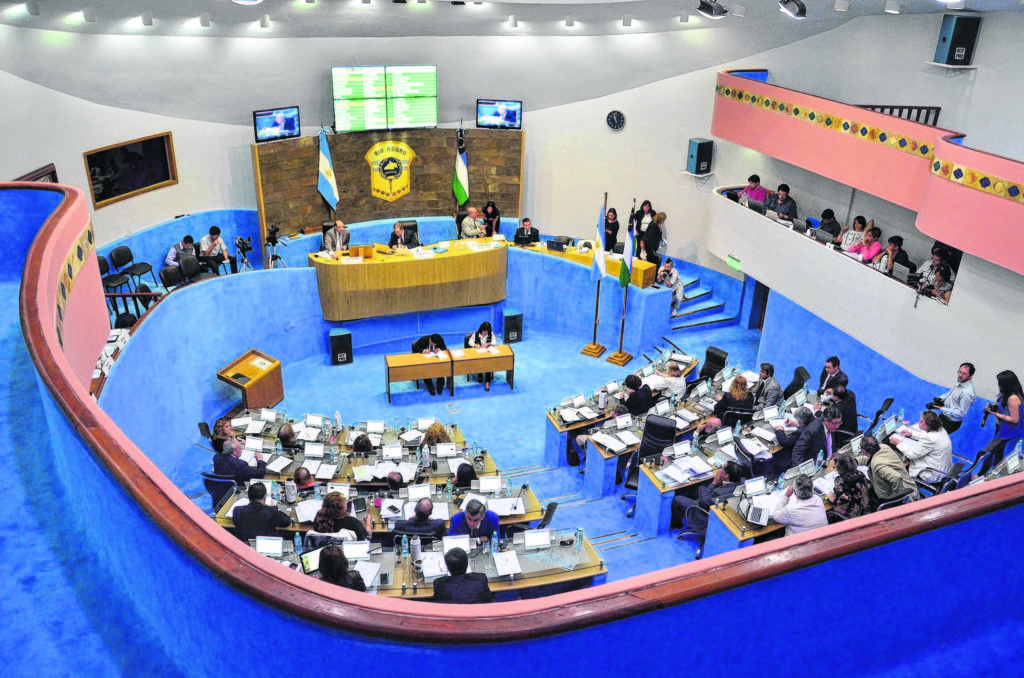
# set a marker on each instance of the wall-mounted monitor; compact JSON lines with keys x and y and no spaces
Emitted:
{"x":276,"y":123}
{"x":384,"y":97}
{"x":405,"y":112}
{"x":499,"y":114}
{"x":357,"y":115}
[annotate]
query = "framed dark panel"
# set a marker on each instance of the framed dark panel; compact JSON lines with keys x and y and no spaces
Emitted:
{"x":46,"y":174}
{"x":130,"y":168}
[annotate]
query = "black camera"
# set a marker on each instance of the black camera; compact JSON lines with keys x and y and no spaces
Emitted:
{"x":272,"y":233}
{"x":243,"y":244}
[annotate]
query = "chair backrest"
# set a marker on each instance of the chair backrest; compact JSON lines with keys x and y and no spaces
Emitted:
{"x":459,"y":216}
{"x":410,"y":226}
{"x":896,"y":501}
{"x":314,"y":540}
{"x":549,"y":513}
{"x":564,"y":239}
{"x":125,"y":321}
{"x":104,"y":264}
{"x":121,"y":256}
{"x":659,"y":433}
{"x":886,"y":404}
{"x":189,"y":266}
{"x":619,"y":248}
{"x":465,"y":342}
{"x":585,"y":244}
{"x":170,"y":277}
{"x":800,"y":377}
{"x":143,"y":288}
{"x":218,"y":487}
{"x":204,"y":430}
{"x":730,"y":417}
{"x":714,"y":362}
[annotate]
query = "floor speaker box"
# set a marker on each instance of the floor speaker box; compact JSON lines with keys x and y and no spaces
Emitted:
{"x":341,"y":347}
{"x":512,"y":325}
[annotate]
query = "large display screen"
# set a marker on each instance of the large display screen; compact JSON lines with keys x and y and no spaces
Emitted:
{"x":499,"y":113}
{"x":384,"y":97}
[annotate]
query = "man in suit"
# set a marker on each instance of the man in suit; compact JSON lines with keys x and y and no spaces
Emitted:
{"x":831,"y":374}
{"x":421,"y":525}
{"x":783,"y":459}
{"x":399,"y":238}
{"x":256,"y":519}
{"x":229,"y":463}
{"x":723,"y":485}
{"x":640,"y":398}
{"x":768,"y":392}
{"x":428,"y":345}
{"x":846,"y":402}
{"x":336,"y":239}
{"x":526,"y":233}
{"x":459,"y":587}
{"x":476,"y":521}
{"x":818,"y":436}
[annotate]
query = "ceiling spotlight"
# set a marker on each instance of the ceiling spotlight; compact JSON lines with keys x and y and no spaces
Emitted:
{"x":247,"y":2}
{"x":366,"y":2}
{"x":512,"y":22}
{"x":957,"y":4}
{"x":265,"y":21}
{"x":147,"y":18}
{"x":842,"y":5}
{"x":569,"y":22}
{"x":310,"y":2}
{"x":627,"y":21}
{"x":204,"y":19}
{"x":739,"y":10}
{"x":89,"y":14}
{"x":794,"y":8}
{"x":892,"y":7}
{"x":398,"y":2}
{"x":32,"y":7}
{"x":710,"y":9}
{"x":684,"y":18}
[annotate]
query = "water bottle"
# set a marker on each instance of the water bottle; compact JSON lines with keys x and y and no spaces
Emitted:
{"x":337,"y":420}
{"x":416,"y":548}
{"x":298,"y":544}
{"x":736,"y":430}
{"x":426,"y":456}
{"x":820,"y":460}
{"x":274,"y":491}
{"x":579,"y":538}
{"x":405,"y":546}
{"x":602,"y":401}
{"x":284,"y":413}
{"x":419,"y":456}
{"x":485,"y":547}
{"x":494,"y":541}
{"x":901,"y":415}
{"x":316,"y":490}
{"x":1018,"y":447}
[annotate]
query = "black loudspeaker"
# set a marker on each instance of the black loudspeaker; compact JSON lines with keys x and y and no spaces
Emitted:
{"x":341,"y":347}
{"x":698,"y":160}
{"x":512,"y":330}
{"x":957,"y":39}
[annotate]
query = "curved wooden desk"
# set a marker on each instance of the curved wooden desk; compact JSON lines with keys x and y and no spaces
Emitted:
{"x":402,"y":283}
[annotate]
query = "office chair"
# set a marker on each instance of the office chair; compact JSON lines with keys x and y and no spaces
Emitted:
{"x":800,"y":377}
{"x":191,"y":269}
{"x":585,"y":244}
{"x":313,"y":540}
{"x":619,"y":248}
{"x":170,"y":277}
{"x":459,"y":216}
{"x":694,"y":517}
{"x":549,"y":513}
{"x":125,"y":321}
{"x":983,"y":463}
{"x":112,"y":282}
{"x":564,"y":239}
{"x":886,"y":404}
{"x":659,"y":433}
{"x":143,"y":288}
{"x":204,"y":430}
{"x":123,"y":260}
{"x":714,"y":362}
{"x":410,"y":226}
{"x":743,"y":416}
{"x":897,"y":501}
{"x":219,"y":487}
{"x":930,"y":489}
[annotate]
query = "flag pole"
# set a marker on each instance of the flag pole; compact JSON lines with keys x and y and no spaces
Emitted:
{"x":620,"y":357}
{"x":594,"y":349}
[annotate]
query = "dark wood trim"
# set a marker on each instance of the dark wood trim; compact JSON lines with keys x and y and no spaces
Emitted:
{"x":46,"y":174}
{"x":422,"y":623}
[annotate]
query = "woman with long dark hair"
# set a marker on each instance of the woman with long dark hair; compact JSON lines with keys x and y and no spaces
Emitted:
{"x":483,"y":338}
{"x":333,"y":516}
{"x":642,"y":218}
{"x":334,"y":570}
{"x":611,"y":229}
{"x":492,"y":219}
{"x":1007,"y":411}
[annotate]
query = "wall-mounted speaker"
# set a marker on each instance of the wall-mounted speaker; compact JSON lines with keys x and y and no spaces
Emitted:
{"x":957,"y":39}
{"x":698,"y":159}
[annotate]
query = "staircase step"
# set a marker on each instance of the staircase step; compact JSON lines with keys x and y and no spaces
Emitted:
{"x":696,"y":293}
{"x":688,"y":282}
{"x":707,"y":322}
{"x":700,"y":308}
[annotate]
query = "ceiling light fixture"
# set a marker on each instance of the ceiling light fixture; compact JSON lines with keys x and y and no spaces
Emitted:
{"x":512,"y":22}
{"x":710,"y":9}
{"x":147,"y":18}
{"x":892,"y":7}
{"x":739,"y":10}
{"x":569,"y":22}
{"x":627,"y":21}
{"x":794,"y":8}
{"x":89,"y":14}
{"x":842,"y":5}
{"x":204,"y":19}
{"x":310,"y":2}
{"x":32,"y":7}
{"x":247,"y":2}
{"x":957,"y":4}
{"x":684,"y":18}
{"x":265,"y":21}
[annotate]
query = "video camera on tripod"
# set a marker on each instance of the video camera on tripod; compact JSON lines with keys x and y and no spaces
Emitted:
{"x":272,"y":242}
{"x":272,"y":233}
{"x":243,"y":244}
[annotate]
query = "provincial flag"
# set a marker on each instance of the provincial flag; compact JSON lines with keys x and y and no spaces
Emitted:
{"x":626,"y":270}
{"x":460,"y":181}
{"x":326,"y":183}
{"x":599,"y":269}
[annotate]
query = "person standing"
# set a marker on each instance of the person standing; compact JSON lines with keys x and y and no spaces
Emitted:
{"x":651,"y":239}
{"x":641,"y":220}
{"x":954,"y":403}
{"x":669,"y":277}
{"x":611,"y":229}
{"x":492,"y":219}
{"x":1007,"y":411}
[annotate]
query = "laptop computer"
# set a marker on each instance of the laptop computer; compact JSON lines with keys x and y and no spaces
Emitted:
{"x":536,"y":539}
{"x":901,"y":272}
{"x":732,"y":195}
{"x":754,"y":486}
{"x":270,"y":546}
{"x":753,"y":514}
{"x":555,"y":246}
{"x":417,"y":492}
{"x":356,"y":550}
{"x":311,"y":560}
{"x":822,"y":235}
{"x":490,"y":483}
{"x":445,"y":450}
{"x":755,"y":205}
{"x":459,"y":541}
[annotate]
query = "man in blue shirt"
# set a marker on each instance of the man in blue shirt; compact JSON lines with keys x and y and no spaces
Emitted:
{"x":781,"y":203}
{"x":476,"y":521}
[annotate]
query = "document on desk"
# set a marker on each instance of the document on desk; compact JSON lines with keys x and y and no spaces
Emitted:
{"x":608,"y":441}
{"x":755,"y":447}
{"x":408,"y":470}
{"x":628,"y":437}
{"x":368,"y":570}
{"x":433,"y":564}
{"x":382,"y":468}
{"x":764,"y":434}
{"x":673,"y":475}
{"x":249,"y":457}
{"x":240,"y":422}
{"x":309,"y":434}
{"x":312,"y":465}
{"x":507,"y":506}
{"x":455,"y":462}
{"x":412,"y":436}
{"x":469,"y":496}
{"x":784,"y":424}
{"x":506,"y":563}
{"x":826,"y":484}
{"x":326,"y":471}
{"x":696,"y":465}
{"x":569,"y":415}
{"x":362,"y":474}
{"x":255,"y":427}
{"x":588,"y":413}
{"x":441,"y":511}
{"x":279,"y":464}
{"x":305,"y":511}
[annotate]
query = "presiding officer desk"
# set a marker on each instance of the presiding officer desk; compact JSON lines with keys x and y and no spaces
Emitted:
{"x":445,"y":275}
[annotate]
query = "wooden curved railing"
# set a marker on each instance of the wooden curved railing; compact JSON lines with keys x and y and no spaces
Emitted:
{"x":337,"y":608}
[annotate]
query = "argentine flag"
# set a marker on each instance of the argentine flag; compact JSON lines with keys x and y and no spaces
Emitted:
{"x":327,"y":184}
{"x":599,"y":269}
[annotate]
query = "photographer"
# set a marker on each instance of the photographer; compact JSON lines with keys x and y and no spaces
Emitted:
{"x":212,"y":252}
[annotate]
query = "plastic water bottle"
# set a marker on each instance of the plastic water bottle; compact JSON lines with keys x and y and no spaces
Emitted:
{"x":298,"y":544}
{"x":820,"y":460}
{"x":337,"y":420}
{"x":274,"y":491}
{"x":405,"y":546}
{"x":579,"y":538}
{"x":448,"y":490}
{"x":901,"y":415}
{"x":316,"y":490}
{"x":485,"y":547}
{"x":426,"y":456}
{"x":736,"y":430}
{"x":419,"y":457}
{"x":494,"y":541}
{"x":284,"y":413}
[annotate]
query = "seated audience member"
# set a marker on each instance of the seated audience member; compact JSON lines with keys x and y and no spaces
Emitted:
{"x":731,"y":406}
{"x":830,"y":225}
{"x":362,"y":445}
{"x":709,"y":493}
{"x":845,"y":401}
{"x":492,"y":219}
{"x":782,"y":203}
{"x":399,"y":238}
{"x":395,"y":481}
{"x":212,"y":252}
{"x":640,"y":398}
{"x":669,"y":382}
{"x":483,"y":338}
{"x":526,"y":233}
{"x":954,"y":403}
{"x":942,"y":285}
{"x":768,"y":393}
{"x":783,"y":459}
{"x":926,"y":274}
{"x":867,"y":247}
{"x":931,"y":459}
{"x":334,"y":570}
{"x":799,"y":509}
{"x":459,"y":587}
{"x":893,"y":254}
{"x":336,"y":239}
{"x":221,"y":432}
{"x":465,"y":476}
{"x":289,"y":440}
{"x":333,"y":517}
{"x":472,"y":224}
{"x":818,"y":436}
{"x":229,"y":463}
{"x":256,"y":519}
{"x":430,"y":344}
{"x":435,"y":433}
{"x":303,"y":479}
{"x":850,"y":496}
{"x":889,"y":477}
{"x":851,"y":236}
{"x":185,"y":248}
{"x":421,"y":524}
{"x":611,"y":229}
{"x":476,"y":521}
{"x":831,"y":374}
{"x":754,"y":190}
{"x":669,"y":277}
{"x":651,"y":240}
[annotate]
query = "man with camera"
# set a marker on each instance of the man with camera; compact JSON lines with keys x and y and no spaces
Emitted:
{"x":954,"y":403}
{"x":213,"y":253}
{"x":336,"y":239}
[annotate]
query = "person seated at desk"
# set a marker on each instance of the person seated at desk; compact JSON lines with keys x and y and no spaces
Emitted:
{"x":669,"y":277}
{"x":212,"y":252}
{"x":754,"y":190}
{"x":472,"y":224}
{"x":831,"y":374}
{"x":185,"y":248}
{"x":334,"y":570}
{"x":783,"y":458}
{"x":465,"y":476}
{"x":303,"y":480}
{"x":851,"y":236}
{"x":818,"y":436}
{"x":669,"y":382}
{"x":721,"y":487}
{"x":221,"y":432}
{"x":931,"y":459}
{"x":768,"y":392}
{"x":845,"y":401}
{"x":395,"y":482}
{"x":850,"y":497}
{"x":782,"y":203}
{"x":399,"y":238}
{"x":335,"y":240}
{"x":228,"y":463}
{"x":526,"y":233}
{"x":868,"y":247}
{"x":422,"y":524}
{"x":289,"y":440}
{"x":333,"y":517}
{"x":640,"y":398}
{"x":476,"y":521}
{"x":830,"y":225}
{"x":435,"y":433}
{"x":432,"y":344}
{"x":362,"y":445}
{"x":892,"y":254}
{"x":799,"y":509}
{"x":483,"y":338}
{"x":942,"y":285}
{"x":738,"y":401}
{"x":954,"y":403}
{"x":926,"y":274}
{"x":459,"y":587}
{"x":256,"y":519}
{"x":889,"y":477}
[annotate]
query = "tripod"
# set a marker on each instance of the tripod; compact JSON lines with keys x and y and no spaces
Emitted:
{"x":244,"y":260}
{"x":275,"y":260}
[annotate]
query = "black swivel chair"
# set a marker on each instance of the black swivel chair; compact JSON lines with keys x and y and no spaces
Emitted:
{"x":170,"y":277}
{"x":659,"y":433}
{"x":714,"y":362}
{"x":459,"y":216}
{"x":192,"y":271}
{"x":800,"y":377}
{"x":549,"y":513}
{"x":886,"y":404}
{"x":219,"y":487}
{"x":410,"y":226}
{"x":618,"y":248}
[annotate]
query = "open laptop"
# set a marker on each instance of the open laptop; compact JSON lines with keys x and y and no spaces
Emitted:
{"x":536,"y":539}
{"x":270,"y":546}
{"x":555,"y":246}
{"x":755,"y":205}
{"x":799,"y":225}
{"x":459,"y":541}
{"x":417,"y":492}
{"x":490,"y":484}
{"x":356,"y":550}
{"x":754,"y":486}
{"x":445,"y":450}
{"x":391,"y":452}
{"x":757,"y":515}
{"x":822,"y":235}
{"x":901,"y":272}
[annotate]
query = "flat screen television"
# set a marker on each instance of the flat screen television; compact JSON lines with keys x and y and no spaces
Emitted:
{"x":499,"y":114}
{"x":384,"y":97}
{"x":276,"y":123}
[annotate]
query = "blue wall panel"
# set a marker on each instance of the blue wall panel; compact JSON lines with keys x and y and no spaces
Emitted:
{"x":21,"y":217}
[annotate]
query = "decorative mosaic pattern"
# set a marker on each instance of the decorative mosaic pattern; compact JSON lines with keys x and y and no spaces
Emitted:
{"x":80,"y":253}
{"x":827,"y":120}
{"x":1003,"y":188}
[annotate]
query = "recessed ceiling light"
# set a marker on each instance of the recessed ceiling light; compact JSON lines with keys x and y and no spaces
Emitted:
{"x":247,"y":2}
{"x":265,"y":21}
{"x":512,"y":22}
{"x":147,"y":18}
{"x":892,"y":7}
{"x":32,"y":7}
{"x":204,"y":19}
{"x":570,"y":22}
{"x":710,"y":9}
{"x":842,"y":5}
{"x":627,"y":21}
{"x":89,"y":14}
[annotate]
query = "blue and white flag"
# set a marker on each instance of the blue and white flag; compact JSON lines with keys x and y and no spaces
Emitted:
{"x":327,"y":184}
{"x":599,"y":268}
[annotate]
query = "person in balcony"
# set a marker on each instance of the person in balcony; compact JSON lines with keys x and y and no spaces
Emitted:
{"x":868,"y":247}
{"x":829,"y":224}
{"x":893,"y":254}
{"x":782,"y":203}
{"x":851,"y":236}
{"x":754,"y":190}
{"x":941,"y":285}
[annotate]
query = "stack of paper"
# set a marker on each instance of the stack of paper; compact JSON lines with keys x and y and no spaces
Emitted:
{"x":506,"y":506}
{"x":764,"y":434}
{"x":305,"y":511}
{"x":279,"y":464}
{"x":326,"y":471}
{"x":568,"y":414}
{"x":382,"y":468}
{"x":309,"y":434}
{"x":412,"y":436}
{"x":756,"y":448}
{"x":608,"y":441}
{"x":362,"y":474}
{"x":826,"y":484}
{"x":588,"y":413}
{"x":255,"y":427}
{"x":628,"y":437}
{"x":506,"y":563}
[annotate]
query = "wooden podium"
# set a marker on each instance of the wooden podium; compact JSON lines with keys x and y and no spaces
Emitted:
{"x":259,"y":378}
